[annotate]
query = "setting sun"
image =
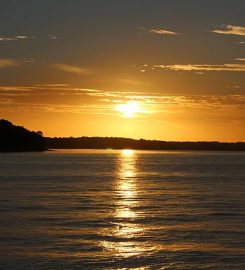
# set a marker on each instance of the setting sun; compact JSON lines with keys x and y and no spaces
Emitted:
{"x":129,"y":109}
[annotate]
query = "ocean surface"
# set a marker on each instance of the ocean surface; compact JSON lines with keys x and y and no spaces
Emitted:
{"x":105,"y":209}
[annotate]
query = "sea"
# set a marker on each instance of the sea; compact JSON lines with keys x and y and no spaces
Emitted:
{"x":122,"y":209}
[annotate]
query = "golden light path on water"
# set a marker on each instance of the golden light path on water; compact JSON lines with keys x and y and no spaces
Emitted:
{"x":126,"y":228}
{"x":126,"y":185}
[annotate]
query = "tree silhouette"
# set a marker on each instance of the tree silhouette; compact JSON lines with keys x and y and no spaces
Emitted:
{"x":124,"y":143}
{"x":15,"y":138}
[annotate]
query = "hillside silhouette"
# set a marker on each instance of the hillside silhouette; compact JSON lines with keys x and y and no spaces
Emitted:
{"x":18,"y":139}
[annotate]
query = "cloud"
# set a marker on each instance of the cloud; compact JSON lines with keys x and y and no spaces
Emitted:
{"x":73,"y":69}
{"x":4,"y":63}
{"x":205,"y":67}
{"x":230,"y":30}
{"x":240,"y":59}
{"x":15,"y":38}
{"x":68,"y":99}
{"x":52,"y":37}
{"x":23,"y":37}
{"x":159,"y":31}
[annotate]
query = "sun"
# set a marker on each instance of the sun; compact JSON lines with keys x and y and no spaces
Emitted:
{"x":129,"y":109}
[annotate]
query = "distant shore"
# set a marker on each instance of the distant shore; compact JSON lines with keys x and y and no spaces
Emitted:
{"x":18,"y":139}
{"x":126,"y":143}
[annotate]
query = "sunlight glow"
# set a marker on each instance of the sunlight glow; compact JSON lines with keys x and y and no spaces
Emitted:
{"x":130,"y":108}
{"x":127,"y":152}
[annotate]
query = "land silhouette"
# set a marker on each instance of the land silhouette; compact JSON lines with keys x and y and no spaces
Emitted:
{"x":126,"y":143}
{"x":15,"y":138}
{"x":18,"y":139}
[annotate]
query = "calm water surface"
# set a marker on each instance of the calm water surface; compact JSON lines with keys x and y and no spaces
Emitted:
{"x":90,"y":209}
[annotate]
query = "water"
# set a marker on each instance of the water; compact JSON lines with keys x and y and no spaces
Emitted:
{"x":85,"y":209}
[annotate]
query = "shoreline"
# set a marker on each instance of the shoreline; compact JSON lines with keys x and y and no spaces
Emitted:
{"x":118,"y":143}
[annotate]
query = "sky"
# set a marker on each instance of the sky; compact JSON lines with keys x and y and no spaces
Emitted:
{"x":155,"y":69}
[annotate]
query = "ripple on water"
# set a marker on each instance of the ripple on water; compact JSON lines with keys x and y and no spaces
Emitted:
{"x":122,"y":210}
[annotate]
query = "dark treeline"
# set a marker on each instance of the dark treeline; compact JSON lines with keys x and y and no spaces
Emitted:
{"x":124,"y":143}
{"x":15,"y":138}
{"x":18,"y":139}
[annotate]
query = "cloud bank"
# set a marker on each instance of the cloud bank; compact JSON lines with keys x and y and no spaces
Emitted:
{"x":66,"y":98}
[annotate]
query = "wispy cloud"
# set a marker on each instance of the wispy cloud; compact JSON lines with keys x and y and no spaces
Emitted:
{"x":4,"y":63}
{"x":240,"y":59}
{"x":15,"y":38}
{"x":69,"y":99}
{"x":52,"y":37}
{"x":73,"y":69}
{"x":205,"y":67}
{"x":230,"y":30}
{"x":22,"y":37}
{"x":159,"y":31}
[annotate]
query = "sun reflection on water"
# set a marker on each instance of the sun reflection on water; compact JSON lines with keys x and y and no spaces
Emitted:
{"x":126,"y":229}
{"x":126,"y":187}
{"x":127,"y":152}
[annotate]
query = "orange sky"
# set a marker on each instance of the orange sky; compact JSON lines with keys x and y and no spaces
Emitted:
{"x":169,"y":71}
